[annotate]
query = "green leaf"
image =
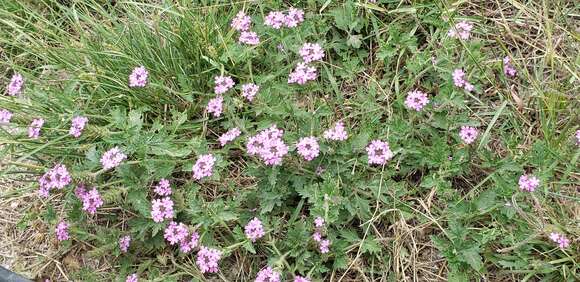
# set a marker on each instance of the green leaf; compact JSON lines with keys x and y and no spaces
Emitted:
{"x":471,"y":256}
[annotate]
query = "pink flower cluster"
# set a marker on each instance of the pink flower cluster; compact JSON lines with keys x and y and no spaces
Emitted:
{"x":56,"y":178}
{"x":249,"y":37}
{"x":163,"y":188}
{"x":460,"y":81}
{"x":468,"y":134}
{"x":299,"y":278}
{"x":207,"y":260}
{"x":223,"y":84}
{"x":215,"y":106}
{"x":528,"y":183}
{"x":175,"y":232}
{"x":62,"y":231}
{"x":132,"y":278}
{"x":508,"y":68}
{"x":323,"y":244}
{"x":229,"y":136}
{"x":267,"y":274}
{"x":77,"y":126}
{"x":276,"y":19}
{"x":308,"y":148}
{"x":203,"y":167}
{"x":249,"y":91}
{"x":337,"y":133}
{"x":254,"y":229}
{"x":15,"y":85}
{"x":162,"y":209}
{"x":311,"y":52}
{"x":416,"y":100}
{"x":112,"y":158}
{"x":268,"y":145}
{"x":34,"y":128}
{"x":578,"y":137}
{"x":560,"y":239}
{"x":379,"y":152}
{"x":5,"y":116}
{"x":461,"y":30}
{"x":91,"y":200}
{"x":242,"y":23}
{"x":302,"y":74}
{"x":124,"y":243}
{"x":138,"y":77}
{"x":189,"y":242}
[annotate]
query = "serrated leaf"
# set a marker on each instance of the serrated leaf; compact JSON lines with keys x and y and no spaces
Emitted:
{"x":471,"y":256}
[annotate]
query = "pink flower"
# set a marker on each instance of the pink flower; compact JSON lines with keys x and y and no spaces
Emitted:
{"x":80,"y":192}
{"x":78,"y":124}
{"x":319,"y":222}
{"x":223,"y":84}
{"x":34,"y":128}
{"x":268,"y":145}
{"x":508,"y":69}
{"x":215,"y":106}
{"x":15,"y":85}
{"x":578,"y":137}
{"x":58,"y":177}
{"x":294,"y":17}
{"x":308,"y":148}
{"x":229,"y":136}
{"x":62,"y":231}
{"x":138,"y":77}
{"x":174,"y":232}
{"x":112,"y":158}
{"x":162,"y":209}
{"x":302,"y":74}
{"x":124,"y":243}
{"x":468,"y":134}
{"x":416,"y":100}
{"x":132,"y":278}
{"x":189,"y":242}
{"x":267,"y":274}
{"x":203,"y":167}
{"x":91,"y":201}
{"x":274,"y":151}
{"x":337,"y":133}
{"x":254,"y":229}
{"x":241,"y":22}
{"x":459,"y":80}
{"x":250,"y":90}
{"x":317,"y":236}
{"x":560,"y":239}
{"x":461,"y":30}
{"x":275,"y":19}
{"x":379,"y":152}
{"x":311,"y":52}
{"x":298,"y":278}
{"x":163,"y":188}
{"x":5,"y":116}
{"x":324,"y":246}
{"x":207,"y":260}
{"x":249,"y":37}
{"x":528,"y":183}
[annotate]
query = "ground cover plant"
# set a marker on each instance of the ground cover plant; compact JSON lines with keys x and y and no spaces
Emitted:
{"x":291,"y":141}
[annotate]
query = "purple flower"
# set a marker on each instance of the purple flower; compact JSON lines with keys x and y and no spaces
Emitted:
{"x":268,"y":145}
{"x":77,"y":126}
{"x":275,"y":19}
{"x":203,"y":167}
{"x":460,"y":81}
{"x":15,"y":85}
{"x":34,"y":128}
{"x":416,"y":100}
{"x":560,"y":239}
{"x":215,"y":106}
{"x":5,"y":116}
{"x":379,"y":152}
{"x":294,"y":17}
{"x":138,"y":77}
{"x":319,"y":222}
{"x":337,"y":133}
{"x":311,"y":52}
{"x":80,"y":192}
{"x":578,"y":137}
{"x":223,"y":84}
{"x":316,"y":236}
{"x":254,"y":229}
{"x":324,"y":246}
{"x":162,"y":209}
{"x":508,"y":68}
{"x":58,"y":177}
{"x":189,"y":242}
{"x":528,"y":182}
{"x":124,"y":243}
{"x":267,"y":274}
{"x":163,"y":188}
{"x":175,"y":233}
{"x":229,"y":136}
{"x":250,"y":90}
{"x":461,"y":30}
{"x":62,"y":231}
{"x":132,"y":278}
{"x":112,"y":158}
{"x":298,"y":278}
{"x":207,"y":260}
{"x":241,"y":22}
{"x":468,"y":134}
{"x":302,"y":74}
{"x":249,"y":37}
{"x":91,"y":201}
{"x":308,"y":148}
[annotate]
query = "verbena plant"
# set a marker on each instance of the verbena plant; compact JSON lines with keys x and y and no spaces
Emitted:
{"x":467,"y":183}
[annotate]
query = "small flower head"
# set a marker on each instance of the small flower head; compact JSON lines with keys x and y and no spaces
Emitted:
{"x":62,"y":231}
{"x":249,"y":91}
{"x":249,"y":37}
{"x":56,"y":178}
{"x":138,"y":77}
{"x":578,"y":137}
{"x":112,"y":158}
{"x":132,"y":278}
{"x":379,"y":152}
{"x":163,"y":188}
{"x":324,"y":246}
{"x":267,"y":274}
{"x":34,"y":128}
{"x":5,"y":116}
{"x":528,"y":182}
{"x":241,"y":22}
{"x":319,"y":222}
{"x":275,"y":19}
{"x":91,"y":201}
{"x":229,"y":136}
{"x":308,"y":148}
{"x":299,"y":278}
{"x":337,"y":133}
{"x":316,"y":236}
{"x":468,"y":134}
{"x":215,"y":106}
{"x":207,"y":260}
{"x":162,"y":209}
{"x":311,"y":52}
{"x":416,"y":100}
{"x":508,"y":68}
{"x":15,"y":85}
{"x":461,"y":30}
{"x":302,"y":74}
{"x":203,"y":167}
{"x":175,"y":233}
{"x":189,"y":242}
{"x":77,"y":126}
{"x":268,"y":145}
{"x":560,"y":239}
{"x":254,"y":229}
{"x":124,"y":243}
{"x":294,"y":17}
{"x":460,"y":81}
{"x":223,"y":84}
